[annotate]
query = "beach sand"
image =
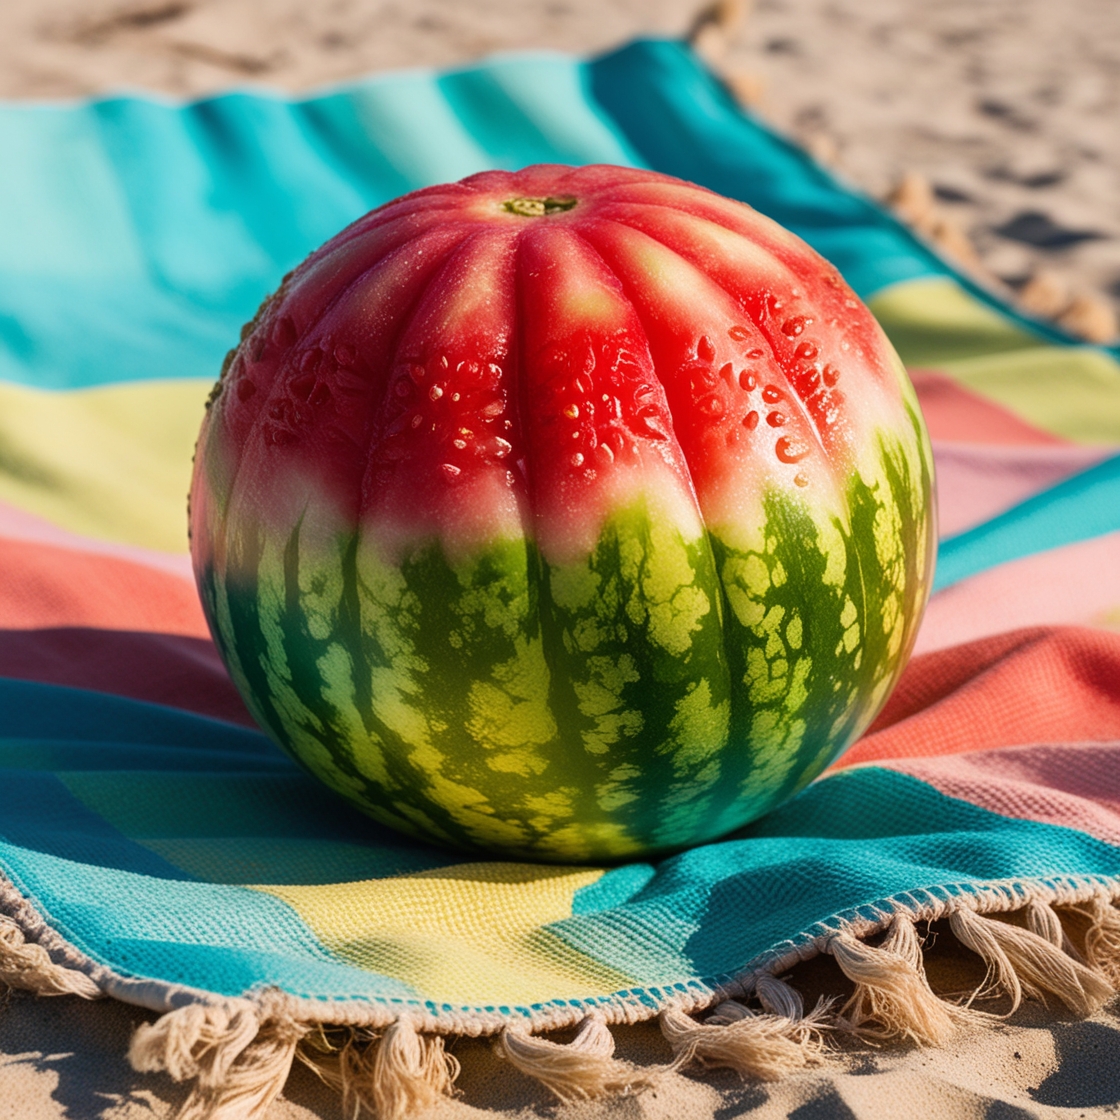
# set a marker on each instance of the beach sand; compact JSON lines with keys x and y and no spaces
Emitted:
{"x":998,"y":121}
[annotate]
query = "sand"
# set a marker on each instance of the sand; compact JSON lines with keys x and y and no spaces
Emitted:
{"x":998,"y":118}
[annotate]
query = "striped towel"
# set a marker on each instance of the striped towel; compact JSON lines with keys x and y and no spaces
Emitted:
{"x":157,"y":848}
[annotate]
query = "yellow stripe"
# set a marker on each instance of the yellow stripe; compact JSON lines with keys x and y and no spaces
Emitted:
{"x":1072,"y":391}
{"x":112,"y":462}
{"x":468,"y":934}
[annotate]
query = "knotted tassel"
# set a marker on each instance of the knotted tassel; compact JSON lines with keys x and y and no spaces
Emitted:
{"x":1021,"y":962}
{"x":1102,"y":938}
{"x":28,"y":966}
{"x":892,"y":998}
{"x":764,"y":1046}
{"x":579,"y":1070}
{"x":401,"y":1074}
{"x":1042,"y":920}
{"x":239,"y":1063}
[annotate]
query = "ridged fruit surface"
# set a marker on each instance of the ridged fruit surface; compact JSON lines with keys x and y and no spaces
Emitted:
{"x":567,"y":513}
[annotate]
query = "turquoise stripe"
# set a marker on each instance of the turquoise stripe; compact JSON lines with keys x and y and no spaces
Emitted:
{"x":849,"y":842}
{"x":229,"y":940}
{"x":1076,"y":509}
{"x":137,"y":235}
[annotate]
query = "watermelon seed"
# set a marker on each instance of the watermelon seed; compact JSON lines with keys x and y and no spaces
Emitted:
{"x":403,"y":389}
{"x":793,"y":327}
{"x":771,"y":394}
{"x":831,"y":375}
{"x":245,"y":389}
{"x":572,"y":411}
{"x":321,"y":395}
{"x":791,"y":450}
{"x":750,"y":421}
{"x":806,"y":350}
{"x":450,"y":471}
{"x":705,"y":351}
{"x":417,"y":420}
{"x":776,"y":419}
{"x":801,"y":478}
{"x":727,"y":372}
{"x":739,"y":334}
{"x":748,"y":380}
{"x":310,"y":360}
{"x":712,"y":406}
{"x":344,"y":354}
{"x":754,"y":355}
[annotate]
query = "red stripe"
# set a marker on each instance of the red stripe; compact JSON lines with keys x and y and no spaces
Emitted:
{"x":44,"y":585}
{"x":168,"y":669}
{"x":1042,"y":685}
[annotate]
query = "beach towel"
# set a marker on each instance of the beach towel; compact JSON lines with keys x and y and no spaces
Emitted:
{"x":157,"y":848}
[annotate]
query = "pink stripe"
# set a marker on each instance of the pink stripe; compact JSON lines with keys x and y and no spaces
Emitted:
{"x":1078,"y":585}
{"x":1076,"y":785}
{"x":976,"y":481}
{"x":18,"y":525}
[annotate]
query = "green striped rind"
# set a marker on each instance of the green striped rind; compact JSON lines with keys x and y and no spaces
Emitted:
{"x":657,"y":694}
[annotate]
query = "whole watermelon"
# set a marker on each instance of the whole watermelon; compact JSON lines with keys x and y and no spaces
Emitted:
{"x":567,"y":513}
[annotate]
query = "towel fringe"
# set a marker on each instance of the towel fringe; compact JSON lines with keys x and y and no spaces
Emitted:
{"x":238,"y":1061}
{"x":23,"y":964}
{"x":766,"y":1046}
{"x":1021,"y":962}
{"x":582,"y":1069}
{"x":1102,"y":938}
{"x":892,"y":1000}
{"x":239,"y":1052}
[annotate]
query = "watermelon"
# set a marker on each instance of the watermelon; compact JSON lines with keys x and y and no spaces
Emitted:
{"x":566,"y":514}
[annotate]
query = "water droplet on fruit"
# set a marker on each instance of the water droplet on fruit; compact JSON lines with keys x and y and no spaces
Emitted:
{"x":831,"y":375}
{"x":806,"y":350}
{"x":284,"y":332}
{"x":772,"y":394}
{"x":345,"y":355}
{"x":459,"y":443}
{"x":494,"y":409}
{"x":456,"y":396}
{"x":790,"y":449}
{"x":435,"y":392}
{"x":775,"y":419}
{"x":572,"y":411}
{"x":577,"y":460}
{"x":604,"y":454}
{"x":445,"y":364}
{"x":500,"y":447}
{"x":245,"y":389}
{"x":740,"y":334}
{"x":748,"y":380}
{"x":712,"y":406}
{"x":301,"y":386}
{"x":793,"y":327}
{"x":450,"y":471}
{"x":417,"y":420}
{"x":705,"y":351}
{"x":801,"y":478}
{"x":750,"y":421}
{"x":310,"y":360}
